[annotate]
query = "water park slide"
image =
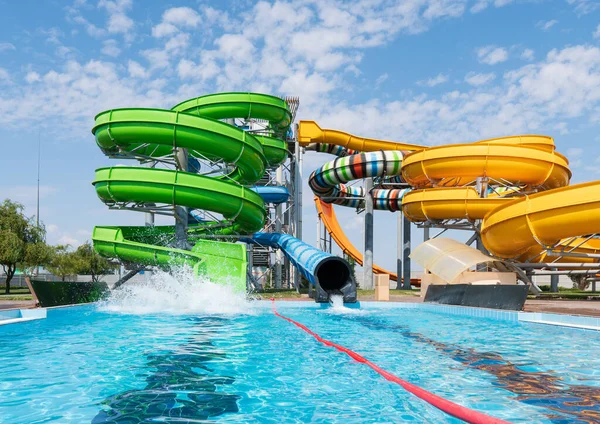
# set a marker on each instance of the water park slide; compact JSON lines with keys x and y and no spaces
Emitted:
{"x":326,"y":272}
{"x":328,"y":184}
{"x":516,"y":224}
{"x":154,"y":133}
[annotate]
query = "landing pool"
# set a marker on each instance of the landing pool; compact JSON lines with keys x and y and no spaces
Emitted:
{"x":105,"y":365}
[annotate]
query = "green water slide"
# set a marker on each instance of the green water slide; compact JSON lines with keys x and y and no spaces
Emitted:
{"x":194,"y":125}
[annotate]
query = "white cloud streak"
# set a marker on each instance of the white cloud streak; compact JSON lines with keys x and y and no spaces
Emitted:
{"x":491,"y":55}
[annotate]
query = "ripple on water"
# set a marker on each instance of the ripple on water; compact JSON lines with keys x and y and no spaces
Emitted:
{"x":138,"y":358}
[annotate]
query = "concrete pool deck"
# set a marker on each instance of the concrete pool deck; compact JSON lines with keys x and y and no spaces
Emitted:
{"x":16,"y":304}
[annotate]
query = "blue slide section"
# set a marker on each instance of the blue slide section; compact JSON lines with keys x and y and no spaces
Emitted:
{"x":329,"y":274}
{"x":272,"y":194}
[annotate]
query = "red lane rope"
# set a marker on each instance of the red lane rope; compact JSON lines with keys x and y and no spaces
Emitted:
{"x":451,"y":408}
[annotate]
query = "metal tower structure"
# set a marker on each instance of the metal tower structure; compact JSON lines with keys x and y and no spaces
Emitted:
{"x":268,"y":266}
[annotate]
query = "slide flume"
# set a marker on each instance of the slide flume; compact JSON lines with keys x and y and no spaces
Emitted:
{"x":528,"y":206}
{"x":327,"y":182}
{"x":154,"y":134}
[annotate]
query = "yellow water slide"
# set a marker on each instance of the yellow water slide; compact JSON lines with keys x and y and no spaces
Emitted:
{"x":528,"y":208}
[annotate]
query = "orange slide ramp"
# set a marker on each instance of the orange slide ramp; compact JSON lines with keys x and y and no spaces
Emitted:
{"x":327,"y":215}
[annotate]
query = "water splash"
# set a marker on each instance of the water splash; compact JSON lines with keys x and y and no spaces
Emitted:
{"x":337,"y":301}
{"x":177,"y":292}
{"x":337,"y":306}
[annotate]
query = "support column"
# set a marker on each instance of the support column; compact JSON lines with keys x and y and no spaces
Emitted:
{"x":399,"y":250}
{"x":426,"y":236}
{"x":181,"y":212}
{"x":554,"y":282}
{"x":298,"y":204}
{"x":406,"y":251}
{"x":319,"y":238}
{"x":482,"y":189}
{"x":368,"y":256}
{"x":278,"y":219}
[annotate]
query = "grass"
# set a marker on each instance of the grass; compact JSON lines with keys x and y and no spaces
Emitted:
{"x":14,"y":291}
{"x":17,"y":297}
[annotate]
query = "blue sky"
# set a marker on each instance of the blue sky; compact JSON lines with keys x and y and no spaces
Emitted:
{"x":420,"y":71}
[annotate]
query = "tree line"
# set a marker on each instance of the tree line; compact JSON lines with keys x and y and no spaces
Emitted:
{"x":23,"y":246}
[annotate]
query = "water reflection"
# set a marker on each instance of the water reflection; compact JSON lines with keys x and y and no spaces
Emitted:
{"x":183,"y":387}
{"x":568,"y":403}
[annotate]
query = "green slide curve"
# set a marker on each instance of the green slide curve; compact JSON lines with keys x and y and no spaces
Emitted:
{"x":193,"y":125}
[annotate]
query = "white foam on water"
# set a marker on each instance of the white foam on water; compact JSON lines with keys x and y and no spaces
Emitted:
{"x":177,"y":292}
{"x":337,"y":306}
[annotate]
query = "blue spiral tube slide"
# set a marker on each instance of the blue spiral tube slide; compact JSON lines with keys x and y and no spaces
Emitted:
{"x":329,"y":274}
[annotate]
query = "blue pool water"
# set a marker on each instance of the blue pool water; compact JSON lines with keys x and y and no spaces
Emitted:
{"x":240,"y":363}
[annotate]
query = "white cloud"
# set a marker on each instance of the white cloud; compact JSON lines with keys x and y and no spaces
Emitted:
{"x":432,"y":82}
{"x":236,"y":47}
{"x":546,"y":25}
{"x":175,"y":18}
{"x":583,"y":7}
{"x":597,"y":32}
{"x":477,"y":79}
{"x":74,"y":15}
{"x":110,"y":48}
{"x":118,"y":21}
{"x":183,"y":16}
{"x":481,"y":5}
{"x":254,"y":51}
{"x":177,"y":43}
{"x":491,"y":55}
{"x":158,"y":58}
{"x":527,"y":54}
{"x":136,"y":70}
{"x":542,"y":95}
{"x":4,"y":76}
{"x":68,"y":239}
{"x":32,"y":77}
{"x":381,"y":78}
{"x":312,"y":86}
{"x":7,"y":46}
{"x":164,"y":29}
{"x":186,"y":68}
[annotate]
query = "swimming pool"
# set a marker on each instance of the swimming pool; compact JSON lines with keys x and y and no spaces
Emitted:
{"x":106,"y":364}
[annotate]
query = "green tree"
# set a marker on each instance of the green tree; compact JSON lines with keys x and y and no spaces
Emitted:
{"x":22,"y":242}
{"x":64,"y":263}
{"x":92,"y":263}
